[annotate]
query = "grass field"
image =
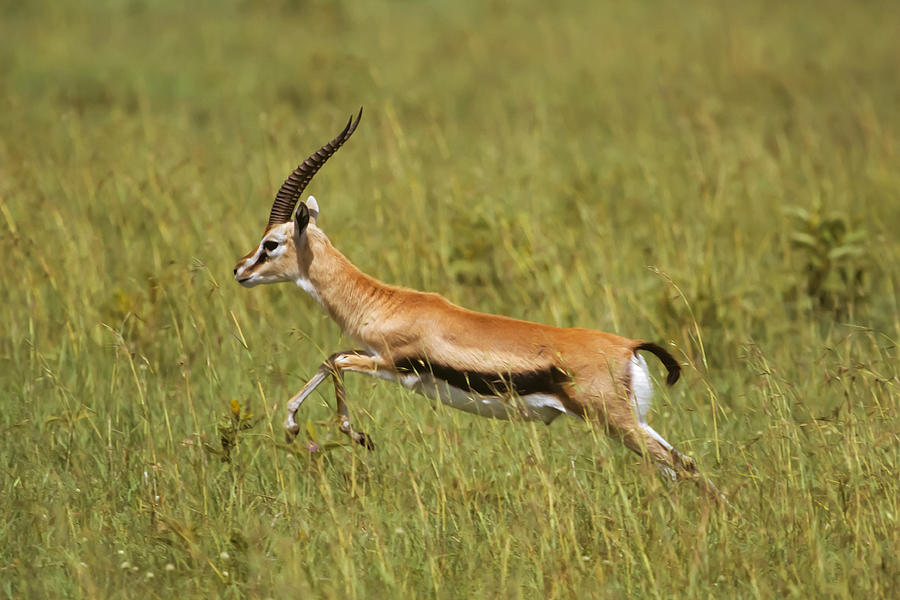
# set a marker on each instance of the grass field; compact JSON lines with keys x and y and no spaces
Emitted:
{"x":720,"y":177}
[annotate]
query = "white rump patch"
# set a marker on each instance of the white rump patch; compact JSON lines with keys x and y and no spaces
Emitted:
{"x":641,"y":387}
{"x":641,"y":399}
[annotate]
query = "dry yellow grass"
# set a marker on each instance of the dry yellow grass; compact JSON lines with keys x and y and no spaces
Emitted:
{"x":519,"y":159}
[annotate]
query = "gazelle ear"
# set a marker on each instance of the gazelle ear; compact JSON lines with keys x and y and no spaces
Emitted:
{"x":301,"y":218}
{"x":313,"y":207}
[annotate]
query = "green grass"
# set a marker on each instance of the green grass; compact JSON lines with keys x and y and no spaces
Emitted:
{"x":623,"y":166}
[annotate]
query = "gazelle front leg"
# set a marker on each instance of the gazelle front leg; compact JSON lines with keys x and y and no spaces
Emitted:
{"x":290,"y":425}
{"x":349,"y":360}
{"x":357,"y":436}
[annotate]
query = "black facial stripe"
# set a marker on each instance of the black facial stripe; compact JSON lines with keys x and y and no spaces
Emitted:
{"x":544,"y":381}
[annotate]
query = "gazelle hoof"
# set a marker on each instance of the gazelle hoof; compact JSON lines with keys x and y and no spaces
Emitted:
{"x":683,"y":463}
{"x":290,"y":432}
{"x":365,"y":441}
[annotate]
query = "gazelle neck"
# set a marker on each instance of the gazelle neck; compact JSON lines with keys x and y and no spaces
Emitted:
{"x":348,"y":295}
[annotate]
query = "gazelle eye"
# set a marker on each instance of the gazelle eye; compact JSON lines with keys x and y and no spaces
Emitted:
{"x":270,"y":245}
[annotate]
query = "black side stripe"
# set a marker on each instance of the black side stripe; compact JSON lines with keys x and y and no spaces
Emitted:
{"x":486,"y":383}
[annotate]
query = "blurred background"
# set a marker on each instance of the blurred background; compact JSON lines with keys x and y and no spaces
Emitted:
{"x":720,"y":177}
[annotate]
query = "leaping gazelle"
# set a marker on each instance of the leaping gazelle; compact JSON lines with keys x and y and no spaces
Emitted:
{"x":489,"y":365}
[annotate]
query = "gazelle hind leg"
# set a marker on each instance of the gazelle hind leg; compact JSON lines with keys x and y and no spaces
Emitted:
{"x":640,"y":441}
{"x":676,"y":465}
{"x":661,"y":451}
{"x":670,"y":462}
{"x":684,"y":465}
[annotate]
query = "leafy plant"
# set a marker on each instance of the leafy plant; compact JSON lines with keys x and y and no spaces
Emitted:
{"x":835,"y":257}
{"x":229,"y":428}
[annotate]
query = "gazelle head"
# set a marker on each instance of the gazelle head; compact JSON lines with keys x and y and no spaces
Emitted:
{"x":278,"y":255}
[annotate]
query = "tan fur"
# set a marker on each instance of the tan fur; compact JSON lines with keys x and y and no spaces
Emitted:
{"x":394,"y":322}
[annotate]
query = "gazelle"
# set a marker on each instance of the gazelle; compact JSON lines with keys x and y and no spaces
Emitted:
{"x":489,"y":365}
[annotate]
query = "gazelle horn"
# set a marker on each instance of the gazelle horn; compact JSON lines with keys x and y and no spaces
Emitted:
{"x":293,"y":186}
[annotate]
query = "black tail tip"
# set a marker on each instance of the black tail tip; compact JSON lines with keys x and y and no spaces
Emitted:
{"x":665,"y":358}
{"x":673,"y":376}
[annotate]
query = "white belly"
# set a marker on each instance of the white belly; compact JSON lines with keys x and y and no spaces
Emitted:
{"x":533,"y":407}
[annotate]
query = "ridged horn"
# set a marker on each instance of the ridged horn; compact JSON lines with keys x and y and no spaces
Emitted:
{"x":293,"y":186}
